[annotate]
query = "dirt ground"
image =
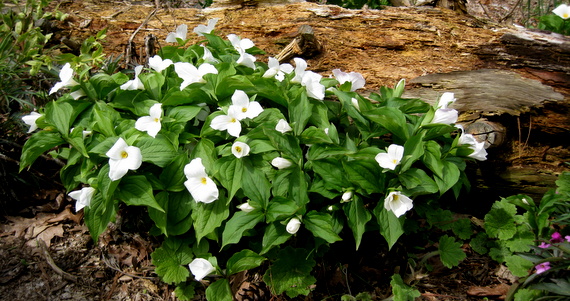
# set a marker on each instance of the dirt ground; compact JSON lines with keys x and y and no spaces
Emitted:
{"x":384,"y":46}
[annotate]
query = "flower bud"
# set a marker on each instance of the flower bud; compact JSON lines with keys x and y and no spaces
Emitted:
{"x":246,"y":207}
{"x":346,"y":197}
{"x":201,"y":268}
{"x":293,"y":225}
{"x":282,"y":126}
{"x":281,"y":163}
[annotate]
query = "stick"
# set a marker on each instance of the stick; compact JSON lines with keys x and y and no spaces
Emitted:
{"x":52,"y":264}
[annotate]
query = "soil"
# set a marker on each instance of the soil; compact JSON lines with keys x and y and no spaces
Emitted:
{"x":118,"y":267}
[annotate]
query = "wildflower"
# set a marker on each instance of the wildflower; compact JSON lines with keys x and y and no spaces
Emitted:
{"x":229,"y":122}
{"x":158,"y":64}
{"x":208,"y":57}
{"x":281,"y":163}
{"x":241,"y":45}
{"x":66,"y":77}
{"x":346,"y":197}
{"x":300,"y":67}
{"x":355,"y":103}
{"x":240,"y":149}
{"x":544,"y":245}
{"x":312,"y":82}
{"x":443,"y":114}
{"x":200,"y":30}
{"x":82,"y":197}
{"x":201,"y":268}
{"x":556,"y":237}
{"x":293,"y":225}
{"x":356,"y":79}
{"x":151,"y":124}
{"x":243,"y":107}
{"x":123,"y":158}
{"x":180,"y":33}
{"x":276,"y":70}
{"x":398,"y":203}
{"x":190,"y":74}
{"x":30,"y":120}
{"x":479,"y":152}
{"x":542,"y":267}
{"x":77,"y":94}
{"x":567,"y":238}
{"x":134,"y":84}
{"x":563,"y":11}
{"x":392,"y":158}
{"x":200,"y":186}
{"x":246,"y":207}
{"x":282,"y":126}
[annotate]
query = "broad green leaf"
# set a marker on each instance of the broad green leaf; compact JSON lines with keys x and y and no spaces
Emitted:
{"x":357,"y":216}
{"x":158,"y":151}
{"x":525,"y":294}
{"x":208,"y":217}
{"x":176,"y":218}
{"x":184,"y":113}
{"x":104,"y":117}
{"x":230,"y":171}
{"x":391,"y":119}
{"x":322,"y":151}
{"x":38,"y":144}
{"x":243,"y":260}
{"x":391,"y":227}
{"x":321,"y":225}
{"x":314,"y":135}
{"x":185,"y":291}
{"x":432,"y":158}
{"x":287,"y":144}
{"x":275,"y":234}
{"x":59,"y":114}
{"x":279,"y":208}
{"x":291,"y":273}
{"x":238,"y":224}
{"x":441,"y":218}
{"x":402,"y":291}
{"x":153,"y":83}
{"x":500,"y":222}
{"x":328,"y":170}
{"x":256,"y":186}
{"x":462,"y":228}
{"x":136,"y":191}
{"x":417,"y":182}
{"x":518,"y":265}
{"x":291,"y":183}
{"x":450,"y":251}
{"x":450,"y":176}
{"x":363,"y":174}
{"x":105,"y":185}
{"x":219,"y":291}
{"x":99,"y":214}
{"x":171,"y":260}
{"x":205,"y":150}
{"x":522,"y":240}
{"x":172,"y":176}
{"x":558,"y":286}
{"x":479,"y":243}
{"x":300,"y":110}
{"x":413,"y":150}
{"x":175,"y":97}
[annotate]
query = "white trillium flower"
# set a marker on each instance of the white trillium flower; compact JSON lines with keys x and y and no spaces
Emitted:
{"x":443,"y":114}
{"x":300,"y":67}
{"x":190,"y":74}
{"x":66,"y":77}
{"x":229,"y":122}
{"x":355,"y":78}
{"x":201,"y":268}
{"x":208,"y":57}
{"x":77,"y":94}
{"x":346,"y":197}
{"x":246,"y":207}
{"x":392,"y":158}
{"x":398,"y":203}
{"x":310,"y":80}
{"x":276,"y":70}
{"x":151,"y":124}
{"x":240,"y":149}
{"x":82,"y":197}
{"x":479,"y":152}
{"x":123,"y":158}
{"x":201,"y":187}
{"x":30,"y":120}
{"x":355,"y":104}
{"x":563,"y":11}
{"x":293,"y":225}
{"x":200,"y":30}
{"x":241,"y":45}
{"x":180,"y":33}
{"x":281,"y":163}
{"x":134,"y":84}
{"x":158,"y":64}
{"x":282,"y":126}
{"x":243,"y":107}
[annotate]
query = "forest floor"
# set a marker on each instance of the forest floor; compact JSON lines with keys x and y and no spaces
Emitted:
{"x":71,"y":267}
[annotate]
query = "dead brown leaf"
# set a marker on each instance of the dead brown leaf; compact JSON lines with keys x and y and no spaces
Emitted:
{"x":485,"y":291}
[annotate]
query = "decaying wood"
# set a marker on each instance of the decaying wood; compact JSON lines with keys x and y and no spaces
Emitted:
{"x":305,"y":45}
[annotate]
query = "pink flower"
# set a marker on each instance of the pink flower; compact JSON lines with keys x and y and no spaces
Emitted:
{"x":556,"y":237}
{"x":544,"y":245}
{"x":542,"y":267}
{"x":567,"y":237}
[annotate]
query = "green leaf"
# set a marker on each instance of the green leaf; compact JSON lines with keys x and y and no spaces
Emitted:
{"x":205,"y":150}
{"x":417,"y":182}
{"x":291,"y":273}
{"x":402,"y":291}
{"x":105,"y":185}
{"x":518,"y":265}
{"x":525,"y":294}
{"x":450,"y":177}
{"x":314,"y":135}
{"x":230,"y":171}
{"x":185,"y":291}
{"x":176,"y":218}
{"x":59,"y":114}
{"x":462,"y":228}
{"x":153,"y":83}
{"x":391,"y":119}
{"x":522,"y":240}
{"x":38,"y":144}
{"x":500,"y":222}
{"x":256,"y":186}
{"x":219,"y":291}
{"x":275,"y":234}
{"x":208,"y":217}
{"x":104,"y":117}
{"x":172,"y":176}
{"x":175,"y":97}
{"x":413,"y":150}
{"x":184,"y":113}
{"x":363,"y":174}
{"x":158,"y":151}
{"x":391,"y":227}
{"x":99,"y":214}
{"x":328,"y":170}
{"x":357,"y":216}
{"x":300,"y":110}
{"x":287,"y":144}
{"x":450,"y":251}
{"x":243,"y":260}
{"x":171,"y":260}
{"x":479,"y":243}
{"x":291,"y":183}
{"x":279,"y":208}
{"x":137,"y":191}
{"x":321,"y":225}
{"x":239,"y":223}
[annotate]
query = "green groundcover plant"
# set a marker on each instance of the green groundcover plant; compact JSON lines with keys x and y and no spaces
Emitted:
{"x":242,"y":163}
{"x":558,"y":21}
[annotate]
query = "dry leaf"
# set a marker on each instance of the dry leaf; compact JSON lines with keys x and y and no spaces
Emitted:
{"x":495,"y":290}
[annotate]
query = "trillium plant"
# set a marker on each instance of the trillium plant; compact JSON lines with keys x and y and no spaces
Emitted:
{"x":235,"y":158}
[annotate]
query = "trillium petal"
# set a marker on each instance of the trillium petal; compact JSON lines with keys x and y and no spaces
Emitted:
{"x":293,"y":225}
{"x":201,"y":268}
{"x":445,"y":116}
{"x":206,"y":68}
{"x":246,"y":207}
{"x":148,"y":124}
{"x":282,"y":126}
{"x":281,"y":163}
{"x":200,"y":30}
{"x":398,"y":203}
{"x":446,"y":99}
{"x":396,"y":152}
{"x":158,"y":64}
{"x":180,"y":33}
{"x":240,"y":149}
{"x":203,"y":190}
{"x":115,"y":152}
{"x":117,"y":169}
{"x":195,"y":169}
{"x":563,"y":11}
{"x":30,"y":120}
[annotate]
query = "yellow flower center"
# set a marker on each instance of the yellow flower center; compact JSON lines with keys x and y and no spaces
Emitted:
{"x":238,"y":149}
{"x":233,"y":120}
{"x":565,"y":15}
{"x":124,"y":154}
{"x":157,"y":120}
{"x":394,"y":161}
{"x":395,"y":197}
{"x":203,"y":180}
{"x":244,"y":109}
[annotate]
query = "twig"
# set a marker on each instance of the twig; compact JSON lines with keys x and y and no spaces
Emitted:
{"x":109,"y":265}
{"x":52,"y":264}
{"x":132,"y":37}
